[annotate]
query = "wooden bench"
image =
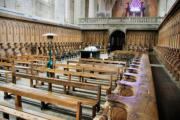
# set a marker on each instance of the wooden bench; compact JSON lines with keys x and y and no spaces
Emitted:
{"x":102,"y":61}
{"x":112,"y":67}
{"x":95,"y":63}
{"x":82,"y":75}
{"x":103,"y":68}
{"x":92,"y":68}
{"x":25,"y":114}
{"x":8,"y":60}
{"x":44,"y":96}
{"x":7,"y":72}
{"x":37,"y":60}
{"x":94,"y":103}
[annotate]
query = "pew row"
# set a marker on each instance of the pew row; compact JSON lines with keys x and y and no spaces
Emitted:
{"x":94,"y":103}
{"x":103,"y":61}
{"x":23,"y":114}
{"x":8,"y":70}
{"x":119,"y":69}
{"x":81,"y":77}
{"x":99,"y":65}
{"x":90,"y":68}
{"x":44,"y":96}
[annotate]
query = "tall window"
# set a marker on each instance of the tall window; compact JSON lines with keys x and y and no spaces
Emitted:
{"x":135,"y":6}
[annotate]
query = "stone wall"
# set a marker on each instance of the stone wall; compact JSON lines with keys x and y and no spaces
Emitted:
{"x":47,"y":9}
{"x":164,"y":6}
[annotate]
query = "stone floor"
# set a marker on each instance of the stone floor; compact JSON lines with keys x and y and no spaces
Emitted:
{"x":53,"y":110}
{"x":167,"y":91}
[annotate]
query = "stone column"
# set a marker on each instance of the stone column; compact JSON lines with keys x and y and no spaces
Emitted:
{"x":109,"y":6}
{"x":24,"y":6}
{"x":3,"y":3}
{"x":92,"y":8}
{"x":79,"y":10}
{"x":69,"y":11}
{"x":102,"y":9}
{"x":60,"y":10}
{"x":162,"y":8}
{"x":9,"y":4}
{"x":121,"y":8}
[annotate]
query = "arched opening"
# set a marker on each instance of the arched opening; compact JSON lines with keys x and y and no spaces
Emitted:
{"x":117,"y":40}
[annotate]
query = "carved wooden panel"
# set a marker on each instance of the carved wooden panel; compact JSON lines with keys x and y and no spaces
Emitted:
{"x":169,"y":33}
{"x":95,"y":37}
{"x":18,"y":31}
{"x":141,"y":38}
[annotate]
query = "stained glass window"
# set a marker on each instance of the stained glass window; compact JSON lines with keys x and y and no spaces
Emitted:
{"x":135,"y":6}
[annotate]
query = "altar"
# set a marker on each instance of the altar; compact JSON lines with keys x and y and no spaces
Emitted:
{"x":90,"y":52}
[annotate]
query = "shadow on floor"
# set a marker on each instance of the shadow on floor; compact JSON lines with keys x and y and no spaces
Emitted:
{"x":153,"y":59}
{"x":167,"y":93}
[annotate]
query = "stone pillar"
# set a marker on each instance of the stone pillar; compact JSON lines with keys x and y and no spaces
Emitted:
{"x":44,"y":9}
{"x":121,"y":8}
{"x":102,"y":10}
{"x":3,"y":3}
{"x":9,"y":4}
{"x":24,"y":6}
{"x":86,"y":8}
{"x":60,"y":10}
{"x":109,"y":6}
{"x":92,"y":8}
{"x":69,"y":11}
{"x":162,"y":7}
{"x":79,"y":10}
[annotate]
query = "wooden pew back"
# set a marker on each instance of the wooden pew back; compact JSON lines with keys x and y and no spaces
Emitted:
{"x":85,"y":86}
{"x":21,"y":91}
{"x":7,"y":110}
{"x":7,"y":72}
{"x":103,"y":61}
{"x":81,"y":76}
